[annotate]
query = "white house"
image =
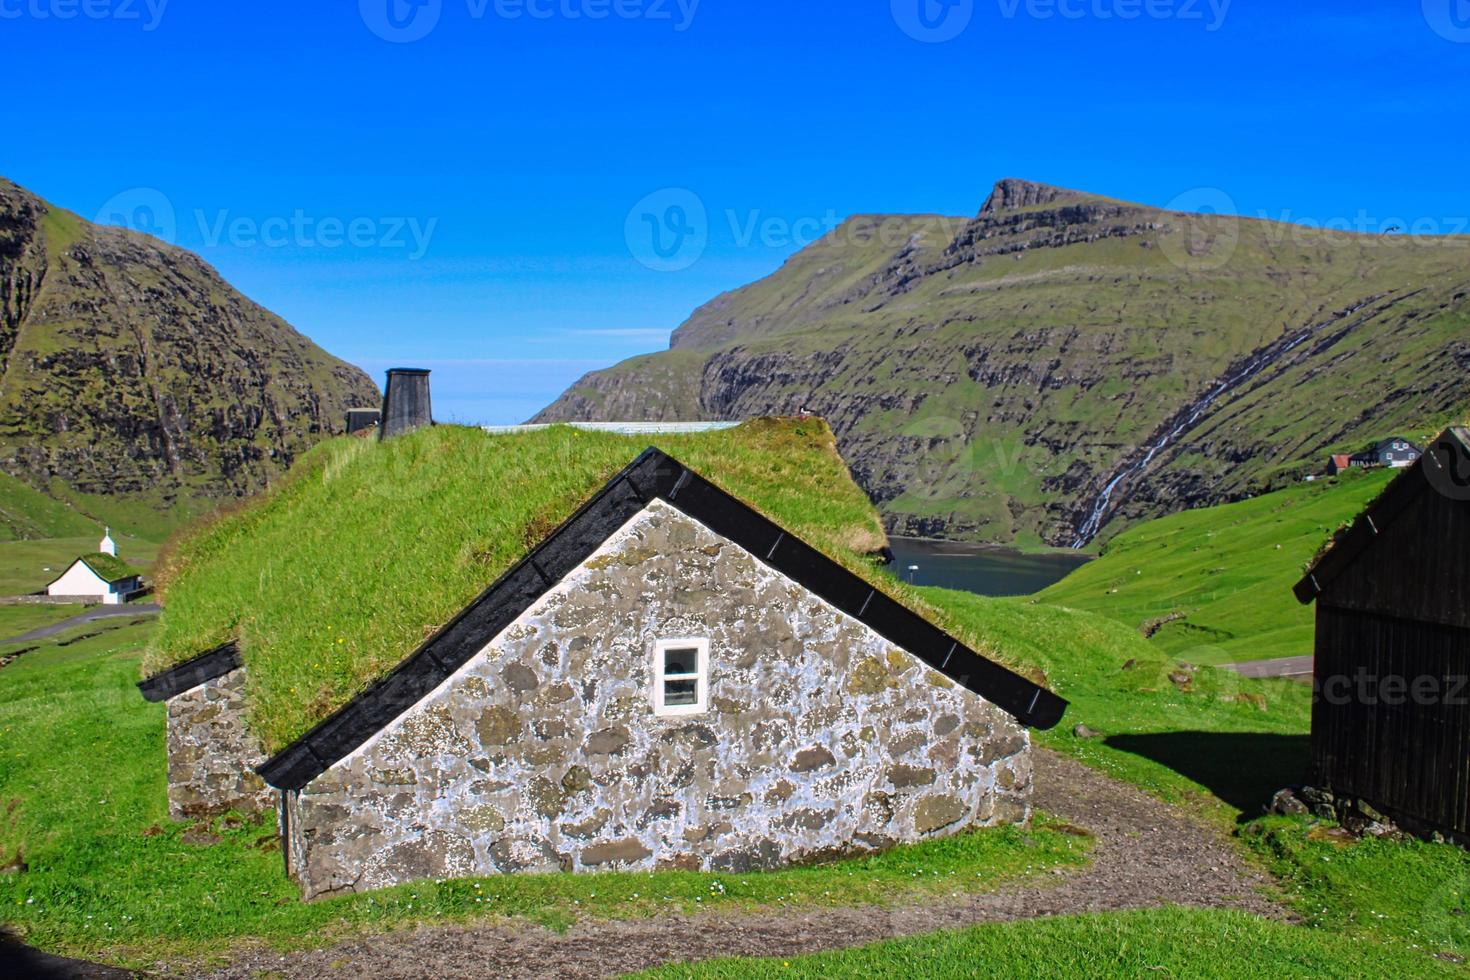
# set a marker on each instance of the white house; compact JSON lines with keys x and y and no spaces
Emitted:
{"x":99,"y":577}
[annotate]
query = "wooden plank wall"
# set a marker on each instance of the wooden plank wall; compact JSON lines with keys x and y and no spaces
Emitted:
{"x":1412,"y":757}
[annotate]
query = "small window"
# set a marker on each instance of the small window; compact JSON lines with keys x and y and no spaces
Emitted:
{"x":680,"y":676}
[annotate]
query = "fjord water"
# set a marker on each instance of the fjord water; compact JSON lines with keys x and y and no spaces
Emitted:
{"x":975,"y":568}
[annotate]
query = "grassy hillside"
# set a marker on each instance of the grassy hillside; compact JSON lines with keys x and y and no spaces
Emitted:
{"x":1210,"y":739}
{"x":367,"y":548}
{"x":138,"y":385}
{"x":1216,"y":582}
{"x":26,"y":512}
{"x":988,"y":377}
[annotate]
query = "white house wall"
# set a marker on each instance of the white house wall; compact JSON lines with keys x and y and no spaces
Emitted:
{"x":543,"y":752}
{"x":79,"y":580}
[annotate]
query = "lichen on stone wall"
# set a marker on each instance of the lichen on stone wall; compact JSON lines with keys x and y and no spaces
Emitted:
{"x":544,"y":754}
{"x":211,"y":753}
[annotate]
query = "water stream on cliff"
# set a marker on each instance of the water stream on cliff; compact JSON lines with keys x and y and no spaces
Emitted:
{"x":1187,"y":419}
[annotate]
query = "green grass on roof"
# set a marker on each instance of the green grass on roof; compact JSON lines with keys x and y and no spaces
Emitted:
{"x":109,"y":567}
{"x":365,"y":549}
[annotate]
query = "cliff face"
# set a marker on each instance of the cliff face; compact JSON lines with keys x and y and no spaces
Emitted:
{"x":1063,"y":363}
{"x":132,"y":370}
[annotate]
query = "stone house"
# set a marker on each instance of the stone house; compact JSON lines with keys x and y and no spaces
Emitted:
{"x":668,"y":680}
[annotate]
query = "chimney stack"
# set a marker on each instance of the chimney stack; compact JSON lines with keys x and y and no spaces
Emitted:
{"x":405,"y":403}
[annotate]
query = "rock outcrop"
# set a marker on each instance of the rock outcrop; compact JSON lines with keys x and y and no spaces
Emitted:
{"x":129,"y":368}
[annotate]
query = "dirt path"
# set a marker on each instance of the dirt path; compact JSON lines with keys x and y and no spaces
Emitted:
{"x":1147,"y":854}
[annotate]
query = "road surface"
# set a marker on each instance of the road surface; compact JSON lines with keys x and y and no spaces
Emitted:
{"x":1296,"y":668}
{"x":90,"y":616}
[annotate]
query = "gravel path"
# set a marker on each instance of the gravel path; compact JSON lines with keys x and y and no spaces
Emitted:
{"x":1295,"y":668}
{"x":1147,"y":854}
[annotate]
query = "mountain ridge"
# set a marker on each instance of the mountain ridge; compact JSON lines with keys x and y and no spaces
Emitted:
{"x":994,"y":378}
{"x":131,"y":372}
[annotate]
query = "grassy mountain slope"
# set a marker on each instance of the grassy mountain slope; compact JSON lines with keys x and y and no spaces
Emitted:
{"x":1216,"y":582}
{"x":989,"y":378}
{"x":131,"y":373}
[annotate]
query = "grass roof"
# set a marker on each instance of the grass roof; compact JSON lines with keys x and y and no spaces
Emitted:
{"x":365,"y":549}
{"x":111,"y":568}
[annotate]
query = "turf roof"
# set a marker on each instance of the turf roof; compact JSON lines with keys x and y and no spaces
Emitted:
{"x":367,"y":548}
{"x":109,"y":567}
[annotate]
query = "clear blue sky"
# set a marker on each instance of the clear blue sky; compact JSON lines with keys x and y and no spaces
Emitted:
{"x":492,"y":165}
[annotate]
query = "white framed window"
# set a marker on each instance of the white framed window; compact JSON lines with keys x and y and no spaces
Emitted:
{"x":681,"y":676}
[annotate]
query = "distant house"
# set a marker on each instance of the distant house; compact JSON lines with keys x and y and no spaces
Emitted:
{"x":1395,"y":452}
{"x":667,"y":680}
{"x":1391,"y":715}
{"x":101,"y":576}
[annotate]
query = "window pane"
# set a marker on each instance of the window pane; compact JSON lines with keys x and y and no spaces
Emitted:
{"x":681,"y":692}
{"x":683,"y":661}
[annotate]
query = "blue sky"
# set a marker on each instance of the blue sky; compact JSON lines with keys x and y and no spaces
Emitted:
{"x":462,"y":184}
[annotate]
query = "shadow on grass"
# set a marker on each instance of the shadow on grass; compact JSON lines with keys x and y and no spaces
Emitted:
{"x":1243,"y":769}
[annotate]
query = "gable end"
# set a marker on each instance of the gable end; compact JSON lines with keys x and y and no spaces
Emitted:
{"x":652,"y":476}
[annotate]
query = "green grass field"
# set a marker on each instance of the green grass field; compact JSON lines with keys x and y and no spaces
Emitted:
{"x":1156,"y":942}
{"x":1226,"y":571}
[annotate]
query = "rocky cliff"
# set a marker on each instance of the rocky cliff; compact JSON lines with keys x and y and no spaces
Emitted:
{"x":1064,"y":363}
{"x":129,"y":370}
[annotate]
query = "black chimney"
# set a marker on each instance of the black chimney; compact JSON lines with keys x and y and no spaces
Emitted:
{"x":405,"y":403}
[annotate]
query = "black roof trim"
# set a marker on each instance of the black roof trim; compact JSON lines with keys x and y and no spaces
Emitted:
{"x":191,"y":673}
{"x":1446,"y":458}
{"x":653,"y":475}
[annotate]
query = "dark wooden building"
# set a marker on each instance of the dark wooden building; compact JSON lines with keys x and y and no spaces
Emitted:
{"x":1391,"y":712}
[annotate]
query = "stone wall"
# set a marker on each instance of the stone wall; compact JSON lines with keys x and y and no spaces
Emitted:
{"x":211,"y":754}
{"x":543,"y":752}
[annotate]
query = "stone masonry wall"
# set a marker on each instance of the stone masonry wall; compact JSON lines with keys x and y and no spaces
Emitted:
{"x":211,"y":754}
{"x":543,"y":752}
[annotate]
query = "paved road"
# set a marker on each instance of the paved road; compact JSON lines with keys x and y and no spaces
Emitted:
{"x":1297,"y":668}
{"x":90,"y":616}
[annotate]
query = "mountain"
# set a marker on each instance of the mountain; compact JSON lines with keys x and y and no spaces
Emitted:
{"x":1064,"y":364}
{"x":134,"y":380}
